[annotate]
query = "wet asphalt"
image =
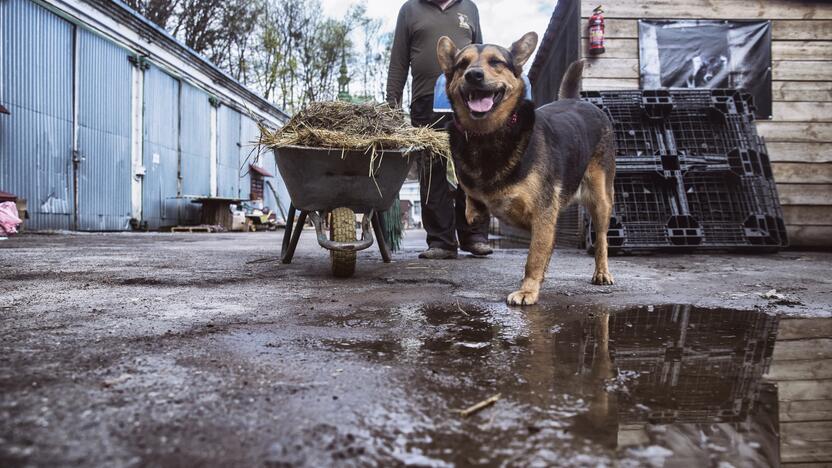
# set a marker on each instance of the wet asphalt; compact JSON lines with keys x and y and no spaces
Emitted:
{"x":204,"y":350}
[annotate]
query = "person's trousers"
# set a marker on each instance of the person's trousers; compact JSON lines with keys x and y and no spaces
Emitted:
{"x":443,"y":208}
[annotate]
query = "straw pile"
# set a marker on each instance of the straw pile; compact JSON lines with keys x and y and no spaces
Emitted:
{"x":364,"y":127}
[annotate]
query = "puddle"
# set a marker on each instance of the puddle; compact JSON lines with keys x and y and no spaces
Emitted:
{"x":668,"y":385}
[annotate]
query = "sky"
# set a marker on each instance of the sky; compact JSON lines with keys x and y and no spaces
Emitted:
{"x":502,"y":21}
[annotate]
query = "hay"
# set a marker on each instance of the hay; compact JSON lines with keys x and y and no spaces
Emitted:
{"x":360,"y":127}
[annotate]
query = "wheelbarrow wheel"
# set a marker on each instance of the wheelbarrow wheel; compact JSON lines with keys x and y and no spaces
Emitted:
{"x":342,"y":229}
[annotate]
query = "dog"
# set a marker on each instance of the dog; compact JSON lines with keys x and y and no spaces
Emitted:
{"x":524,"y":164}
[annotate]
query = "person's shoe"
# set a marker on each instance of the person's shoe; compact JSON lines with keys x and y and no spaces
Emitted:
{"x":436,"y":253}
{"x":479,"y":249}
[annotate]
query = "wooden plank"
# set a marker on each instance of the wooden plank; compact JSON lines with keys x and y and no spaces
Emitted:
{"x":795,"y":451}
{"x":809,"y":216}
{"x":806,"y":30}
{"x":794,"y":329}
{"x":615,"y":48}
{"x":801,"y":70}
{"x":598,"y":84}
{"x":611,"y":68}
{"x":802,"y":111}
{"x":791,"y":390}
{"x":817,"y":348}
{"x":807,"y":410}
{"x":798,"y":132}
{"x":746,"y":9}
{"x":800,"y":152}
{"x":809,"y":91}
{"x":800,"y":370}
{"x":805,"y":194}
{"x":809,"y":236}
{"x":800,"y":50}
{"x":781,"y":30}
{"x":809,"y":431}
{"x":613,"y":28}
{"x":802,"y":173}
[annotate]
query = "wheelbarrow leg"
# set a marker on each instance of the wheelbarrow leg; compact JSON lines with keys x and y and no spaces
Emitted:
{"x":290,"y":252}
{"x":290,"y":224}
{"x":382,"y":244}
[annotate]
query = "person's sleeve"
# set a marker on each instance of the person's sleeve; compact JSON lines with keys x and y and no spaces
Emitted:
{"x":399,"y":60}
{"x":477,"y":30}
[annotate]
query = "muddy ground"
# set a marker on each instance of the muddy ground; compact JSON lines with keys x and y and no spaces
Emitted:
{"x":202,"y":349}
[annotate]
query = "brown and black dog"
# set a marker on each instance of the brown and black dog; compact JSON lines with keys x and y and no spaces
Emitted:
{"x":524,"y":164}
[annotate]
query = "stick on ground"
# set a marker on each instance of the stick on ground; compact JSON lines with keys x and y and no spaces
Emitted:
{"x":479,"y":406}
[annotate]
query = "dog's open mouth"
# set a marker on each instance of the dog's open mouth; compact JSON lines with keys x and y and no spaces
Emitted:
{"x":481,"y":102}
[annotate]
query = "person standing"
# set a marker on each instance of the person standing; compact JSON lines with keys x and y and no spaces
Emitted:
{"x":419,"y":26}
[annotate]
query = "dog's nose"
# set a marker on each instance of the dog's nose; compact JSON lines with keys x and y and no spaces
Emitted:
{"x":474,"y":75}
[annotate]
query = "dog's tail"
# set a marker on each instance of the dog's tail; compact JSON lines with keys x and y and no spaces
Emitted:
{"x":570,"y":86}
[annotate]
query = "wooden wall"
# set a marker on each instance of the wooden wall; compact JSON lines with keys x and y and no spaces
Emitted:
{"x":799,"y":136}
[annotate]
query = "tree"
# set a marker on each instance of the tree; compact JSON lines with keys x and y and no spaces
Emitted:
{"x":284,"y":49}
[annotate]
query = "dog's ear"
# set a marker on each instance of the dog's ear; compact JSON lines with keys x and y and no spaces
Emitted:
{"x":523,"y":48}
{"x":446,"y":53}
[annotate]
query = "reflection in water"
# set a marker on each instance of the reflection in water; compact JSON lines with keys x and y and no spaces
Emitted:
{"x":665,"y":385}
{"x":688,"y":381}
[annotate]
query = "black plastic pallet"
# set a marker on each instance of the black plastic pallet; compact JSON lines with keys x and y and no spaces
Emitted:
{"x":691,"y":211}
{"x":680,"y":129}
{"x":692,"y":174}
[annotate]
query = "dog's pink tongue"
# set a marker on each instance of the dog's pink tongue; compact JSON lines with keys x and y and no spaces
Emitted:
{"x":481,"y":104}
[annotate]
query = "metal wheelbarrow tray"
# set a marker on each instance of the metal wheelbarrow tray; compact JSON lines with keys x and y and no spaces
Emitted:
{"x":321,"y":180}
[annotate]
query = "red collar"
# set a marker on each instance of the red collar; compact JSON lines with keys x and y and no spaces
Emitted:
{"x":510,"y":123}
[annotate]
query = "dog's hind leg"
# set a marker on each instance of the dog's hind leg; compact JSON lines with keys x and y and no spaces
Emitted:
{"x":540,"y":252}
{"x":597,"y":197}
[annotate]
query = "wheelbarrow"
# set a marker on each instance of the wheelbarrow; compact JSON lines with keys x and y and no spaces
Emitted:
{"x":340,"y":183}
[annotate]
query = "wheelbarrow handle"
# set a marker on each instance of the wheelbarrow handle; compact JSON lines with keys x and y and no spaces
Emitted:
{"x":366,"y":235}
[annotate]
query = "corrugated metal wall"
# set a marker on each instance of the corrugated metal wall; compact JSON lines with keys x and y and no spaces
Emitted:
{"x":36,"y":87}
{"x":248,"y":153}
{"x":161,"y":152}
{"x":228,"y":153}
{"x":104,"y":198}
{"x":195,"y":164}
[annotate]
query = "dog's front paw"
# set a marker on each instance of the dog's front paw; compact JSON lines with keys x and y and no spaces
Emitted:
{"x":522,"y":297}
{"x":602,"y":278}
{"x":472,"y":216}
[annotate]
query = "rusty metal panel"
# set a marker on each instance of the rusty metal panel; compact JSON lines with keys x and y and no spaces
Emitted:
{"x":36,"y":87}
{"x":228,"y":153}
{"x":104,"y":196}
{"x":161,"y":149}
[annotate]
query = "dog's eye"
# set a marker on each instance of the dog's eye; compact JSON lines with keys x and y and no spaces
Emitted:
{"x":462,"y":64}
{"x":496,"y":63}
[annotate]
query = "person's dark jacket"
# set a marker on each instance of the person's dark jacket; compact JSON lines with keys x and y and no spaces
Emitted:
{"x":420,"y":25}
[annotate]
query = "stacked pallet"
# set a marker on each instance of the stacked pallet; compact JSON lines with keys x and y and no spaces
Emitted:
{"x":692,"y":174}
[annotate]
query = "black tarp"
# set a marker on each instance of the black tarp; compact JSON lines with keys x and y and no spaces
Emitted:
{"x":708,"y":54}
{"x":558,"y":48}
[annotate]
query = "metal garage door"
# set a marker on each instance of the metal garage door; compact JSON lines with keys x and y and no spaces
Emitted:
{"x":36,"y":88}
{"x":104,"y":201}
{"x":160,"y":151}
{"x":195,"y":164}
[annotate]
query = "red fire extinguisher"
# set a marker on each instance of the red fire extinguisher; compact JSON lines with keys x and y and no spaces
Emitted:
{"x":596,"y":31}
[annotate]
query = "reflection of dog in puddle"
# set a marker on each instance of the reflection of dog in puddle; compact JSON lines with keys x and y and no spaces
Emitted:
{"x":707,"y":72}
